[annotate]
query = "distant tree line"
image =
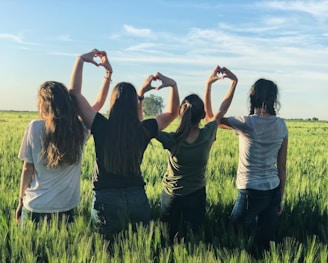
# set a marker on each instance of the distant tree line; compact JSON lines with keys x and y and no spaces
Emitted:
{"x":308,"y":119}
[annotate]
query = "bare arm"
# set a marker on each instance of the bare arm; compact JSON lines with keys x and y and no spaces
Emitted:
{"x":85,"y":110}
{"x":26,"y":178}
{"x":281,"y":164}
{"x":140,"y":108}
{"x":214,"y":76}
{"x":164,"y":119}
{"x":224,"y":124}
{"x":102,"y":93}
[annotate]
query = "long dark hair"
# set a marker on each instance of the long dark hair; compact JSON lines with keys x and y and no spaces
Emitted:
{"x":63,"y":139}
{"x":264,"y":95}
{"x":124,"y":133}
{"x":191,"y":112}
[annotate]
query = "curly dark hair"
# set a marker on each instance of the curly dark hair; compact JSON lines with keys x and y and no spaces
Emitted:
{"x":264,"y":95}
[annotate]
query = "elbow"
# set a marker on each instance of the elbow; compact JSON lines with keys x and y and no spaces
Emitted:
{"x":72,"y":92}
{"x":207,"y":118}
{"x":96,"y":107}
{"x":175,"y":114}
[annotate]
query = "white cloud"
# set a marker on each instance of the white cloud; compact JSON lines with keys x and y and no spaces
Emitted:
{"x":65,"y":54}
{"x":18,"y":38}
{"x":141,"y":32}
{"x":318,"y":8}
{"x":12,"y":37}
{"x":142,"y":47}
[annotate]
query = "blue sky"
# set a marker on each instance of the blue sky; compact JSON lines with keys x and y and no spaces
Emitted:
{"x":285,"y":41}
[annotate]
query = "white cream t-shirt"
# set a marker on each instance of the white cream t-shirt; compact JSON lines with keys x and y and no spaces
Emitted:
{"x":51,"y":189}
{"x":260,"y":139}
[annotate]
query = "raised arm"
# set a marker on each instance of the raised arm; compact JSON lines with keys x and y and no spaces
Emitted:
{"x":214,"y":76}
{"x":86,"y":111}
{"x":164,"y":119}
{"x":103,"y":91}
{"x":145,"y":87}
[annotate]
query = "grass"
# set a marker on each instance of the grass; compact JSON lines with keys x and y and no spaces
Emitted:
{"x":302,"y":228}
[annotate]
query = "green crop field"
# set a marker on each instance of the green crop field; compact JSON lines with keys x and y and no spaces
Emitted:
{"x":302,"y":230}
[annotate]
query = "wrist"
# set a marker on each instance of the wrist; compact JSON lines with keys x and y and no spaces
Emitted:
{"x":81,"y":58}
{"x":108,"y":75}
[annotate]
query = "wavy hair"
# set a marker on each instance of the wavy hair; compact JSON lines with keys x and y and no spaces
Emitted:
{"x":191,"y":112}
{"x":124,"y":132}
{"x":62,"y":142}
{"x":264,"y":95}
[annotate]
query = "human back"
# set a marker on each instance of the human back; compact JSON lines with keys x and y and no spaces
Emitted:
{"x":120,"y":142}
{"x":183,"y":199}
{"x":260,"y":140}
{"x":261,"y":175}
{"x":63,"y":133}
{"x":189,"y":148}
{"x":124,"y":133}
{"x":51,"y":150}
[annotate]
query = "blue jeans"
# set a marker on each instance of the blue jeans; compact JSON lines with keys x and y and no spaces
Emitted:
{"x":113,"y":209}
{"x":254,"y":207}
{"x":68,"y":216}
{"x":186,"y":211}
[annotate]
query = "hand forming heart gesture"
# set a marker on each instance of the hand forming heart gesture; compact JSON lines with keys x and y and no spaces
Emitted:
{"x":220,"y":73}
{"x":153,"y":79}
{"x":90,"y":58}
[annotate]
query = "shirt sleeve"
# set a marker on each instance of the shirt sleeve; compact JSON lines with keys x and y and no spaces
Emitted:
{"x":151,"y":126}
{"x":98,"y":123}
{"x":166,"y":139}
{"x":86,"y":133}
{"x":25,"y":151}
{"x":211,"y":128}
{"x":285,"y":128}
{"x":239,"y":124}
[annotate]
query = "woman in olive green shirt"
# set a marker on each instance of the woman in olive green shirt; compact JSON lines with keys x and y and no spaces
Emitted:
{"x":183,"y":198}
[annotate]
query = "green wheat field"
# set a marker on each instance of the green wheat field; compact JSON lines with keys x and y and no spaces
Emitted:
{"x":302,"y":229}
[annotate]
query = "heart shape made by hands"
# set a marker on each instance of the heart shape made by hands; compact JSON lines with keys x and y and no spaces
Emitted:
{"x":97,"y":60}
{"x":221,"y":74}
{"x":156,"y":83}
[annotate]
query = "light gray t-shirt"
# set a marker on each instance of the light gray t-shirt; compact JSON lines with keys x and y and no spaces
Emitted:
{"x":260,"y":139}
{"x":51,"y":189}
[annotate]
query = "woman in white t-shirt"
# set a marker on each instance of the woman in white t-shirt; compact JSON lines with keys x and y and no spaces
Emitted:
{"x":51,"y":150}
{"x":261,"y":175}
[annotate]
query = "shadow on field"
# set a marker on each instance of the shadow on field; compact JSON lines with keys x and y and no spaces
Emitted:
{"x":304,"y":219}
{"x":301,"y":221}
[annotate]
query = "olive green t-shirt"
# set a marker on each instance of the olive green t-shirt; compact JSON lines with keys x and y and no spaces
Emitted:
{"x":186,"y":170}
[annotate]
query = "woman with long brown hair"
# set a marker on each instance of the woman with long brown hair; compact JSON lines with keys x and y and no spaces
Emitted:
{"x":120,"y":142}
{"x":52,"y":152}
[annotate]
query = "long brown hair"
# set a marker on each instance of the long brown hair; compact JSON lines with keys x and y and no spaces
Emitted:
{"x":124,"y":132}
{"x":264,"y":94}
{"x":191,"y":112}
{"x":63,"y":139}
